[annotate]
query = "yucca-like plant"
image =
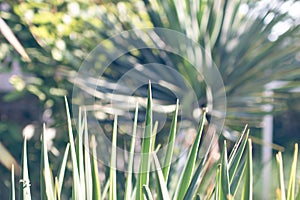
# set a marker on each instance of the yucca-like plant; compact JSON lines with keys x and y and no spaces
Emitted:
{"x":238,"y":34}
{"x":200,"y":178}
{"x":242,"y":44}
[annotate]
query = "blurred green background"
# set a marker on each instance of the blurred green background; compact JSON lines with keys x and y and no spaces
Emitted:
{"x":255,"y":45}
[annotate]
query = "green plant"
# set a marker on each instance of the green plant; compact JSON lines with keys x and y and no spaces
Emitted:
{"x":239,"y":43}
{"x":56,"y":40}
{"x":230,"y":171}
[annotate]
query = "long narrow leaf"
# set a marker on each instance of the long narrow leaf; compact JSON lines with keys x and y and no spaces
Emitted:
{"x":12,"y":195}
{"x":218,"y":184}
{"x":11,"y":38}
{"x":198,"y":173}
{"x":171,"y":143}
{"x":25,"y":193}
{"x":113,"y":163}
{"x":298,"y":193}
{"x":154,"y":132}
{"x":162,"y":183}
{"x":57,"y":192}
{"x":280,"y":176}
{"x":235,"y":160}
{"x":76,"y":190}
{"x":186,"y":176}
{"x":79,"y":153}
{"x":46,"y":175}
{"x":236,"y":147}
{"x":147,"y":193}
{"x":291,"y":187}
{"x":248,"y":181}
{"x":238,"y":177}
{"x":143,"y":176}
{"x":153,"y":136}
{"x":105,"y":189}
{"x":224,"y":175}
{"x":95,"y":174}
{"x":87,"y":162}
{"x":62,"y":170}
{"x":128,"y":189}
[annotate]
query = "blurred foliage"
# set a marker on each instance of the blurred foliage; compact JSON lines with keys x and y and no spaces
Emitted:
{"x":241,"y":36}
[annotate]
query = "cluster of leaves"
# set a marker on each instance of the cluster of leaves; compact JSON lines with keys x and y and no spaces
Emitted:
{"x":242,"y":45}
{"x":58,"y":35}
{"x":229,"y":173}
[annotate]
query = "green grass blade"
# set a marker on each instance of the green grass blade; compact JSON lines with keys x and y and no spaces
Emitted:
{"x":291,"y":187}
{"x":224,"y":174}
{"x":147,"y":193}
{"x":95,"y":173}
{"x":248,"y":181}
{"x":87,"y":162}
{"x":113,"y":163}
{"x":171,"y":143}
{"x":143,"y":176}
{"x":128,"y":189}
{"x":76,"y":189}
{"x":280,"y":176}
{"x":161,"y":180}
{"x":46,"y":175}
{"x":187,"y":173}
{"x":62,"y":170}
{"x":25,"y":182}
{"x":12,"y":195}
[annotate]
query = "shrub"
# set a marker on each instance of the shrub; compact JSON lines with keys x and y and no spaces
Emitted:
{"x":199,"y":179}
